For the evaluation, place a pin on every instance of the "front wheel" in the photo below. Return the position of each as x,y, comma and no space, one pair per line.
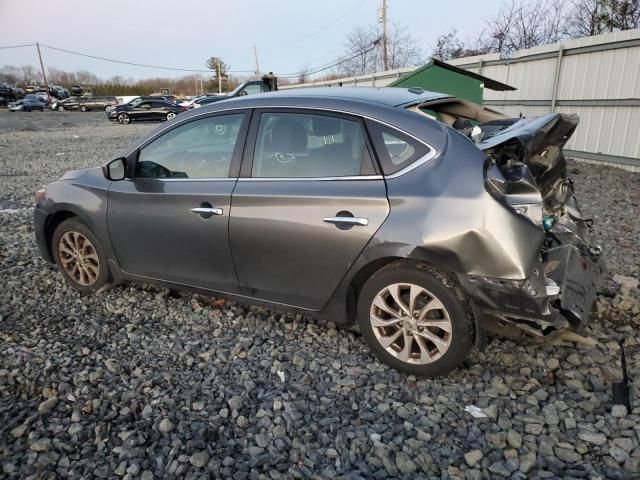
61,108
123,118
79,256
83,108
415,319
170,115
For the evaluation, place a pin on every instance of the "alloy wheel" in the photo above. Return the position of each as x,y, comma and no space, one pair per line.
79,258
411,323
170,115
123,118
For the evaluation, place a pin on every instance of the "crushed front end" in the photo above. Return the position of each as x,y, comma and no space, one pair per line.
526,171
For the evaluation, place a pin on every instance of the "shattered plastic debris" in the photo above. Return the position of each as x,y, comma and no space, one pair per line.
627,282
475,412
76,136
281,375
59,154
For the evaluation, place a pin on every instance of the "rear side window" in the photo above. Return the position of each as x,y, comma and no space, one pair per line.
299,145
396,150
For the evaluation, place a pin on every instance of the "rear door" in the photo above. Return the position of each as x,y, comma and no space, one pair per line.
169,220
158,110
308,201
141,111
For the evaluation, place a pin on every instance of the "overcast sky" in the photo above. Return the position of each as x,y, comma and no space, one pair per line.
289,34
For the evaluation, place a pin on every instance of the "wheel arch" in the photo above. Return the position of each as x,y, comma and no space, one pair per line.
52,223
422,260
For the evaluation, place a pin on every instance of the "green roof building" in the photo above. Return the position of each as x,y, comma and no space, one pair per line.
438,76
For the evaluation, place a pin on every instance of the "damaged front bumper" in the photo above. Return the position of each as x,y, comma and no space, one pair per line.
559,292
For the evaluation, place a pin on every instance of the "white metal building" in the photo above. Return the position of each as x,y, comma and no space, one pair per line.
596,77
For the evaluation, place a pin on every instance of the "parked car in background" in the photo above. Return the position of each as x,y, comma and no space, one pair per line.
26,105
207,100
381,206
71,103
97,103
141,109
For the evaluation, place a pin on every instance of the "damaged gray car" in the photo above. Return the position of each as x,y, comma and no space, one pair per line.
417,215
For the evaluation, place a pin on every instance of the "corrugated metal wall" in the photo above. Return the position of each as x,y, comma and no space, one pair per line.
596,77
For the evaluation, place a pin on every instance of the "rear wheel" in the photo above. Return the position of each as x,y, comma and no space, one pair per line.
123,118
170,115
415,320
79,256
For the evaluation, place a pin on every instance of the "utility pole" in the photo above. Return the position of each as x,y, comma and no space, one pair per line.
219,78
382,18
255,54
44,75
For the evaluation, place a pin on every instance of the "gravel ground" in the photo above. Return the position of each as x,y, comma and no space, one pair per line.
137,382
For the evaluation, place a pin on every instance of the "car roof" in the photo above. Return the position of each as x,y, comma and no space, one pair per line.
390,96
358,100
386,105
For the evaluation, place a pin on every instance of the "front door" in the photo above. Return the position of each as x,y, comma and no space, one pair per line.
170,220
308,203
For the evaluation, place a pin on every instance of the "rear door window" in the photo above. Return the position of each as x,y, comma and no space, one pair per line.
396,150
301,145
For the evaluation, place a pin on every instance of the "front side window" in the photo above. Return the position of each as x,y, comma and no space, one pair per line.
306,145
396,150
199,149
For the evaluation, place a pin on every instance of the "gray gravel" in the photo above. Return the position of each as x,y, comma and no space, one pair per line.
137,382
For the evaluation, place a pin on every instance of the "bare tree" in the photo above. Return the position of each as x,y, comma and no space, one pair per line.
449,46
28,75
359,51
593,17
363,48
403,49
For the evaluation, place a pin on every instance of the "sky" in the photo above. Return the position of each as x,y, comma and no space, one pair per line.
289,34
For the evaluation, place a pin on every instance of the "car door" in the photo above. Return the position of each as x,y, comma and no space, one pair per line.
141,111
308,201
158,110
169,219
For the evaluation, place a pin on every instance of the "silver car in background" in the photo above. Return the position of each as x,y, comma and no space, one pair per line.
417,215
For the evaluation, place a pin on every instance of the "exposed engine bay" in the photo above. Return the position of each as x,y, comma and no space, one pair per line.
525,169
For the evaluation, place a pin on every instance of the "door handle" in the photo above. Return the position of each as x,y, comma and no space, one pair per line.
207,211
363,222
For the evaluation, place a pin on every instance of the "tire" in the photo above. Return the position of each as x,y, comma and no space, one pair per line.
438,341
71,240
123,118
83,108
170,115
61,108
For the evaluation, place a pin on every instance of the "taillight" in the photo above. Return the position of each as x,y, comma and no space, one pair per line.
183,109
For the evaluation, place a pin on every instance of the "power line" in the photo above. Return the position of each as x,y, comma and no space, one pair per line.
18,46
313,34
335,63
124,62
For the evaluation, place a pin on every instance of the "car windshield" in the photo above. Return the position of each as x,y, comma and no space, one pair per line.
237,89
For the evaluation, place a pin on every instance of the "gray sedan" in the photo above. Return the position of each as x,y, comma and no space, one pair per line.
417,215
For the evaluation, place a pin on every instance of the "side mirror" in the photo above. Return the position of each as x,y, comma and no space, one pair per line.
115,170
242,93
